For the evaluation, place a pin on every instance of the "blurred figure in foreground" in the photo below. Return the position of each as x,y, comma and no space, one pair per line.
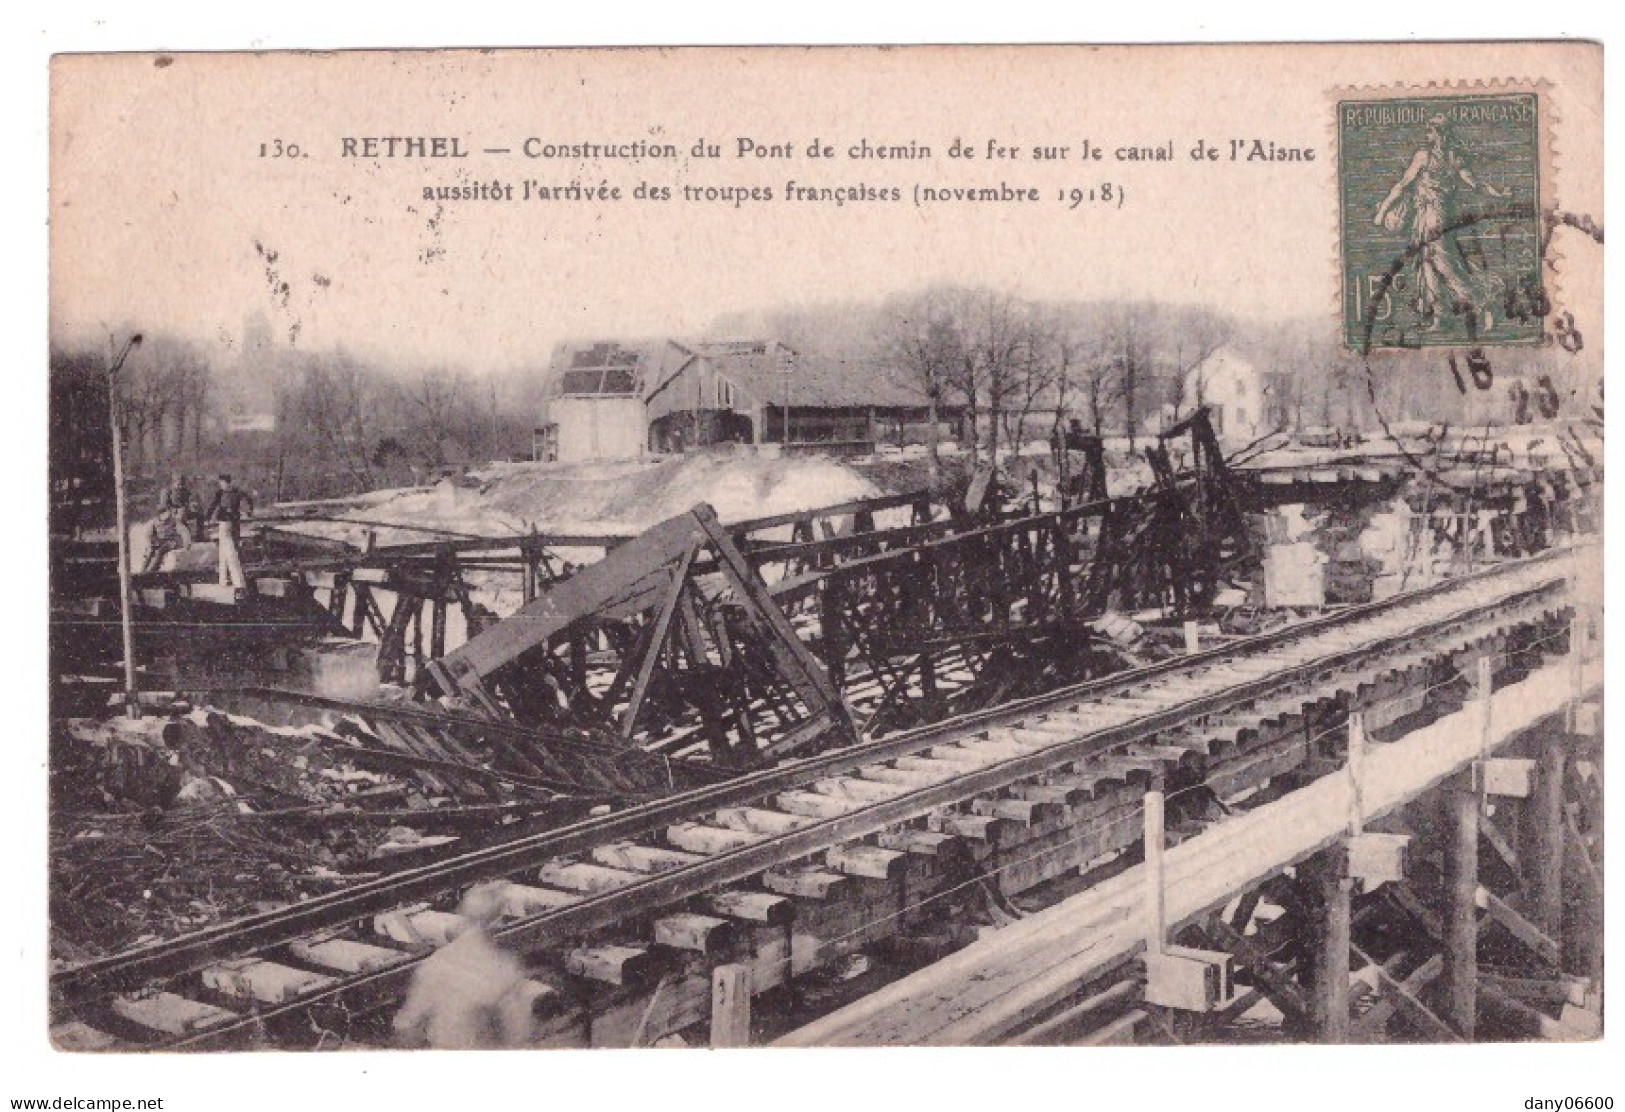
470,994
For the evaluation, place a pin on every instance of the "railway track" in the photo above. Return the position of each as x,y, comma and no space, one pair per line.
604,904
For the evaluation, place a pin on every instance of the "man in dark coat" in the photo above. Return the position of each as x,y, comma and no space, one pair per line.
229,507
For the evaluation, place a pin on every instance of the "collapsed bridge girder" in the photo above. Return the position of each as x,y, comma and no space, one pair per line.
671,632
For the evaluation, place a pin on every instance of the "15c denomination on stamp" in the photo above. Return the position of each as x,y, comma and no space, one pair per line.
1440,227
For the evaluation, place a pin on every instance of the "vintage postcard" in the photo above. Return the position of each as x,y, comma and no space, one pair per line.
1014,546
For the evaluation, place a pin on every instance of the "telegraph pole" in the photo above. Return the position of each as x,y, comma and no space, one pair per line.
132,706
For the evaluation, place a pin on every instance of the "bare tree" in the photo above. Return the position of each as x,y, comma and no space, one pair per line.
439,400
340,403
1038,371
1197,336
917,335
1132,359
1088,373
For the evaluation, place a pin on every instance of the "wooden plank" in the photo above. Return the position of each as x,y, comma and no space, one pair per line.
758,821
1275,984
1371,1027
1405,994
656,643
730,1006
521,901
1332,972
420,927
1461,919
634,574
1025,812
754,907
808,883
643,859
699,838
213,593
700,934
343,955
614,965
579,876
262,982
1544,881
926,843
815,805
1541,944
872,862
1558,990
971,995
1491,833
170,1013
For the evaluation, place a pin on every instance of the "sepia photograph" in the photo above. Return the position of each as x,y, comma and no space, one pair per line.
824,547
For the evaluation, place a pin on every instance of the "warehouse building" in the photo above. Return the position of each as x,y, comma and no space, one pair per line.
615,400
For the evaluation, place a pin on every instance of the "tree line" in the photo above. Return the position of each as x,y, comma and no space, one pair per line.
1020,367
298,423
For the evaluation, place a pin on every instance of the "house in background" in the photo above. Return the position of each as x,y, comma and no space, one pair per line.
613,400
1235,393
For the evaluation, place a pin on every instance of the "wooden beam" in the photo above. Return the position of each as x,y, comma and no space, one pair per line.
1544,879
1557,990
1498,842
1119,1032
1540,1025
1405,993
1068,1017
730,1006
1156,920
1332,973
1278,987
1537,940
1463,806
656,644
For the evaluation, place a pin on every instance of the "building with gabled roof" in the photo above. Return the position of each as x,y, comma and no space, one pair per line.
615,400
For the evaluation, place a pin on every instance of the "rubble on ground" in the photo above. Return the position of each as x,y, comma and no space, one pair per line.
161,826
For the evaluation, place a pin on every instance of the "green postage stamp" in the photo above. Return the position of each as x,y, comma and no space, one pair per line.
1440,220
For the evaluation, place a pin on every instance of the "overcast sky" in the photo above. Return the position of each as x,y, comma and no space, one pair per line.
164,215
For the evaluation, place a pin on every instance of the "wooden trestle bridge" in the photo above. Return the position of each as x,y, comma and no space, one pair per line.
870,730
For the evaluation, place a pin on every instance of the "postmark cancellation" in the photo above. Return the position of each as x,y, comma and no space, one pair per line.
1440,201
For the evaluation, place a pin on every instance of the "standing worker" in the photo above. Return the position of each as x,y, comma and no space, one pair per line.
229,507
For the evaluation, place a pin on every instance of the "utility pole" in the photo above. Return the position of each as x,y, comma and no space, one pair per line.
132,705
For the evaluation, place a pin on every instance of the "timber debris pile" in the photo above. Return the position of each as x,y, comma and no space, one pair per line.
161,826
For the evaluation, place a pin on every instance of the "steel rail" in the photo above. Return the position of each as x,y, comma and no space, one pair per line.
606,908
252,933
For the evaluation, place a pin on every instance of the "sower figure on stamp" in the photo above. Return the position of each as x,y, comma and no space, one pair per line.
1426,200
470,994
229,507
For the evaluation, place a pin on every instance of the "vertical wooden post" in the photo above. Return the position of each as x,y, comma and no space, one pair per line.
1485,693
730,1006
1545,869
1577,649
1461,920
1332,967
1356,768
1193,641
437,629
417,637
1155,897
